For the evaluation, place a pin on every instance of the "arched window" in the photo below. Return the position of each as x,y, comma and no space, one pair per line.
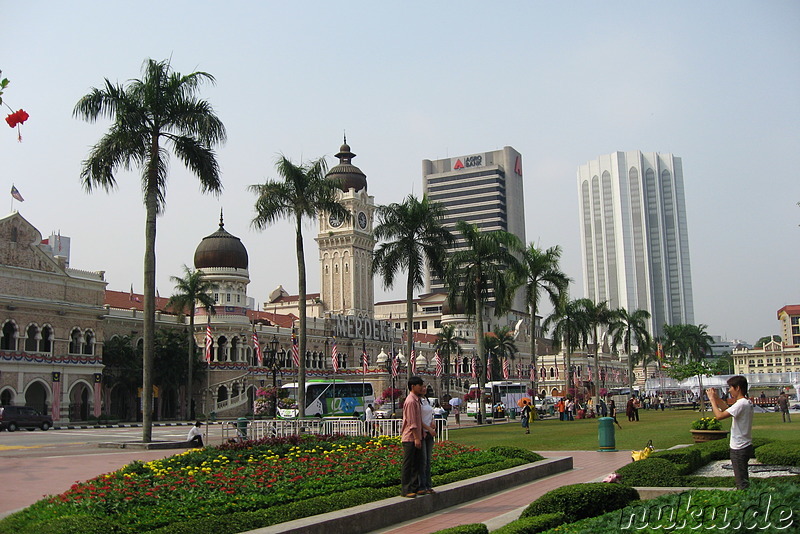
222,394
9,339
88,343
235,349
32,338
75,341
552,373
46,344
235,390
222,349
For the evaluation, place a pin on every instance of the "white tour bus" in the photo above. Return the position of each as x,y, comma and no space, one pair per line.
329,398
504,391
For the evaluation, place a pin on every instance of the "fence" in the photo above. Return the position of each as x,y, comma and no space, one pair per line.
276,428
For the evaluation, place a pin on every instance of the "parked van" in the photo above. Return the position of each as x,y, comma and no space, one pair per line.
16,417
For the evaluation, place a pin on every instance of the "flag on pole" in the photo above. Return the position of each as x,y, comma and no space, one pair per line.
16,195
257,348
134,298
364,357
489,369
209,341
519,371
458,368
395,365
474,367
439,367
295,348
505,369
335,357
532,374
413,362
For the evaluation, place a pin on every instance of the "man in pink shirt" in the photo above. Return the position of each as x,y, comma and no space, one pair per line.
411,438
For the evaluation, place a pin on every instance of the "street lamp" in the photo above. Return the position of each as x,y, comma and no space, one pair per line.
272,361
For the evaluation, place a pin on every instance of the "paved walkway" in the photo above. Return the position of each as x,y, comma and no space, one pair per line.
502,508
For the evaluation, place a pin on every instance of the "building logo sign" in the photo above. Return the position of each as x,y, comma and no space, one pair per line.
351,327
469,161
518,166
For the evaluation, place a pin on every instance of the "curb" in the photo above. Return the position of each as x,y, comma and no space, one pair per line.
385,513
124,425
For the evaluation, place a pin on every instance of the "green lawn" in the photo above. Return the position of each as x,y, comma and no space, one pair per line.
666,429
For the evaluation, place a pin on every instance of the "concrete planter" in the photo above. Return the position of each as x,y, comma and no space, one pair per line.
701,436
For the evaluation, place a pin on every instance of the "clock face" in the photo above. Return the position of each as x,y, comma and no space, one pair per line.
335,221
362,220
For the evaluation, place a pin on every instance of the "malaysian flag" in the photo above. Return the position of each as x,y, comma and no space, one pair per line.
295,348
519,371
505,368
474,367
364,357
209,342
489,369
335,357
413,362
439,367
532,374
15,193
257,347
395,366
458,368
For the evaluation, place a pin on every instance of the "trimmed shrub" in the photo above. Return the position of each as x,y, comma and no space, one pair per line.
473,528
75,524
516,452
650,472
686,460
779,453
532,525
578,501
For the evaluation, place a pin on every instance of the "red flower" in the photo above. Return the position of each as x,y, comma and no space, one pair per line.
18,117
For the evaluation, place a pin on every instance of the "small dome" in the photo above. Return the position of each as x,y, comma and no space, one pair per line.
457,309
348,175
221,249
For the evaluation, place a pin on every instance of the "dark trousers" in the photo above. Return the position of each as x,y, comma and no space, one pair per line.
412,468
739,461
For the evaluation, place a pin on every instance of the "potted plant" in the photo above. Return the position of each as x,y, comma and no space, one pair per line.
707,429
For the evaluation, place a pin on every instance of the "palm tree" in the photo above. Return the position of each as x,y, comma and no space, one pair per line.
628,329
414,239
190,291
542,273
483,263
597,315
570,330
160,110
304,192
500,343
448,342
687,342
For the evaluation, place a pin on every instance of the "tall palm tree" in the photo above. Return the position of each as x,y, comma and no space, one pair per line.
448,342
542,273
414,237
304,192
628,329
149,115
570,330
484,263
597,315
687,342
190,291
500,343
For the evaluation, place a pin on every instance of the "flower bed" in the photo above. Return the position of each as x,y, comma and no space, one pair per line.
215,482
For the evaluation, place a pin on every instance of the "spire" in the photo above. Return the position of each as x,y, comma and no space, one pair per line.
221,224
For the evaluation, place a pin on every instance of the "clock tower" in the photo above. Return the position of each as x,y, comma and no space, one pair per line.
346,246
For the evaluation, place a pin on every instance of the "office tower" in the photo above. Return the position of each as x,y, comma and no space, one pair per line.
484,189
634,238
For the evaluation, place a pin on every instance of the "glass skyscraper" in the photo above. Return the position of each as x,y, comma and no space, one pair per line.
634,238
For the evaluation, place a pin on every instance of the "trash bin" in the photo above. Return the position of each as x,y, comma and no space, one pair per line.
241,427
212,416
551,410
606,435
512,413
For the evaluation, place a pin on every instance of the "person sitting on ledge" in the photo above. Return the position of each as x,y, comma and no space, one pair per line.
196,435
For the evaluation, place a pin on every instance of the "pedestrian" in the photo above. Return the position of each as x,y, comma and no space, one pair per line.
783,404
741,441
429,432
411,438
661,402
629,409
456,413
438,411
636,405
195,435
525,416
568,409
369,420
612,411
560,408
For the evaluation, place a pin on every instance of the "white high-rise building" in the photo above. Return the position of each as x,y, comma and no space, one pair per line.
634,238
484,189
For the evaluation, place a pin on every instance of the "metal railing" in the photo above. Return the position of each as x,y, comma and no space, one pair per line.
275,428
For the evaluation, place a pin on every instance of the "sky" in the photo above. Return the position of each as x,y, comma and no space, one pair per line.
715,83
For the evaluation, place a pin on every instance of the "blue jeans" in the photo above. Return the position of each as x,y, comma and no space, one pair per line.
425,482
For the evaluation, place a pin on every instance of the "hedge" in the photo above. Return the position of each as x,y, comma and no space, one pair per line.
532,525
472,528
578,501
516,452
651,472
779,453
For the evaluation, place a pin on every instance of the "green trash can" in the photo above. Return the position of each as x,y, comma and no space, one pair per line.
512,413
606,435
551,410
241,427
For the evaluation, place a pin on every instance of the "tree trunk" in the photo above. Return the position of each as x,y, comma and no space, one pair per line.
409,323
192,352
482,357
301,312
596,369
533,351
149,317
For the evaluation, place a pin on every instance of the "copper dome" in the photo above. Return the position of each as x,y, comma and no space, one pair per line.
348,175
221,249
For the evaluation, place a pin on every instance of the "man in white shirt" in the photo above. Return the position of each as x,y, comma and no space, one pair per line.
741,443
196,434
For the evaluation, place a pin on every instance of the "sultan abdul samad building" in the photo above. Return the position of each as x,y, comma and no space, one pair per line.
58,321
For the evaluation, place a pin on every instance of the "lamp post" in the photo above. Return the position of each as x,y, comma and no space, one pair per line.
272,363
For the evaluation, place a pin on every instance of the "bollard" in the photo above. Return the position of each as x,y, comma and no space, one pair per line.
606,435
